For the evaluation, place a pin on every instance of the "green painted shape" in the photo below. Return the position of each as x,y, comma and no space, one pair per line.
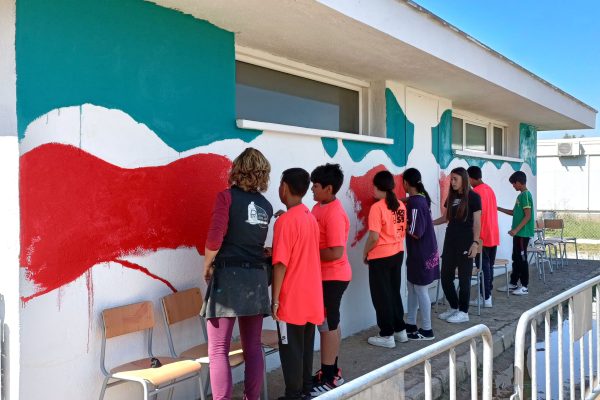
398,127
166,69
441,146
330,145
528,145
441,140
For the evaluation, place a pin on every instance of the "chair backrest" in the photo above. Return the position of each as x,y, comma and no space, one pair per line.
557,224
182,305
128,319
539,223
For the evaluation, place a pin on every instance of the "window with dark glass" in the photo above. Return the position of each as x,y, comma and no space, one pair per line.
267,95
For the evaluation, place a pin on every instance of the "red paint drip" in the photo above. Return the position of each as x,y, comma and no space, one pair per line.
444,188
362,188
144,270
78,210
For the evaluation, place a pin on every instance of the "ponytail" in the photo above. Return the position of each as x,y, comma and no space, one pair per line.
384,181
422,190
391,200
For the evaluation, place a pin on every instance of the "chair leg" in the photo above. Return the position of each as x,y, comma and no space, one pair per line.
201,386
265,389
506,275
103,390
170,393
145,389
576,252
479,292
437,294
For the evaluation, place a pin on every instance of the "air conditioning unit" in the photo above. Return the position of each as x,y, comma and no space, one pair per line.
568,149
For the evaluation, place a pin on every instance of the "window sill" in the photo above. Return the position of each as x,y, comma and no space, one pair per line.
296,130
486,156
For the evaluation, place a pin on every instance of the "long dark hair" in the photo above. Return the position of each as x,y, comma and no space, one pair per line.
412,176
463,195
384,181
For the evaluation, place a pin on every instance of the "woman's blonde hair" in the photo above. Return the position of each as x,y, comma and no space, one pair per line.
250,171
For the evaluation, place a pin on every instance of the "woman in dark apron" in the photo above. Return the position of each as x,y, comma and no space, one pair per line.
236,270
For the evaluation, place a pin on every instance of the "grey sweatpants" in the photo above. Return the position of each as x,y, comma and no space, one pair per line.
418,297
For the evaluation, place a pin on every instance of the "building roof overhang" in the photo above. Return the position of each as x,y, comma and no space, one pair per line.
396,40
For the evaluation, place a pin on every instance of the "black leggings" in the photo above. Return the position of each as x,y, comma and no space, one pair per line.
384,282
465,268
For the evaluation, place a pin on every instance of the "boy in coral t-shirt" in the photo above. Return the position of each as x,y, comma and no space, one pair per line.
297,291
334,227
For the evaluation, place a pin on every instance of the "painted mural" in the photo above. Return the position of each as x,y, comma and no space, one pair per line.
81,211
126,136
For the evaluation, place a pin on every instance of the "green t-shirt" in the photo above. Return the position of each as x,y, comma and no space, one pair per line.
524,200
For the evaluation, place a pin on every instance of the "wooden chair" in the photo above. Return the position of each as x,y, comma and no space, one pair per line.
186,305
559,226
139,318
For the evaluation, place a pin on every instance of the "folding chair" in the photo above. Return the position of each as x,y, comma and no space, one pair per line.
139,317
186,305
540,258
501,263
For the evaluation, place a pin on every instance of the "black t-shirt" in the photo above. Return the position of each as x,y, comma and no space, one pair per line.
459,234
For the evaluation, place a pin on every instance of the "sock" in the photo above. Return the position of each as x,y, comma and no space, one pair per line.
329,372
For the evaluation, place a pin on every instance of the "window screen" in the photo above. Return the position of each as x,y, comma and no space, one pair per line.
266,95
457,133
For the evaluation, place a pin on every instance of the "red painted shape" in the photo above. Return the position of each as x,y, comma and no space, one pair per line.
362,188
78,210
137,267
444,188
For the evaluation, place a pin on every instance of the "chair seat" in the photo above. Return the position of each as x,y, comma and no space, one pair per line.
536,249
500,262
270,338
554,240
200,354
171,369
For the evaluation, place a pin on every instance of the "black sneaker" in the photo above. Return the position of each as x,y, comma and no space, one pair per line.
316,379
410,328
421,334
325,387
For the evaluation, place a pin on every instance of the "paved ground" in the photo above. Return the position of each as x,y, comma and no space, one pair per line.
358,357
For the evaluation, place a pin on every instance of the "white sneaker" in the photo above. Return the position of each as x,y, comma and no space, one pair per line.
401,336
487,303
458,317
447,314
522,291
382,341
508,288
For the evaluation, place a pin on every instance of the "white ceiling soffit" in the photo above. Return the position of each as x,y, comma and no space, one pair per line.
395,40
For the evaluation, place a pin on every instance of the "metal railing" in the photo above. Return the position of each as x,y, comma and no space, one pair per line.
528,324
389,379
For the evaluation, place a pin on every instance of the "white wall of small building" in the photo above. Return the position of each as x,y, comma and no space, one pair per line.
570,183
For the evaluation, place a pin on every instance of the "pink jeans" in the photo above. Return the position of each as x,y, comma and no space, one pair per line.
219,340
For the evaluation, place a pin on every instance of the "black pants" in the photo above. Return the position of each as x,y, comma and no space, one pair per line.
465,268
296,357
488,259
384,282
520,269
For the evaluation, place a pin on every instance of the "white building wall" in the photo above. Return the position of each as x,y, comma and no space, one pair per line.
569,183
8,77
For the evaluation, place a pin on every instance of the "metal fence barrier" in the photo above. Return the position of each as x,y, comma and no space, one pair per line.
389,379
580,317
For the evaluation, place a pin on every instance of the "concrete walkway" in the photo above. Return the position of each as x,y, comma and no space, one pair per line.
358,357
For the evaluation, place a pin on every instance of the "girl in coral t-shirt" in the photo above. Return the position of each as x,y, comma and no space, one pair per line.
384,252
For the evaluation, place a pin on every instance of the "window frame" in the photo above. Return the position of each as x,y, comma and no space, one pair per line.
468,118
280,64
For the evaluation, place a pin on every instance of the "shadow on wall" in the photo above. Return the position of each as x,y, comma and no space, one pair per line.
4,358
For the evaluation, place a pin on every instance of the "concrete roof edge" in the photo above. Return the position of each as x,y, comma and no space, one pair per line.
493,52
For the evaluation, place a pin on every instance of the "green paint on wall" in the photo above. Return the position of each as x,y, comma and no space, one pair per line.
330,145
528,145
441,146
166,69
441,140
398,127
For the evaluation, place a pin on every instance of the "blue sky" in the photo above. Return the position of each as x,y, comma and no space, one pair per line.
557,40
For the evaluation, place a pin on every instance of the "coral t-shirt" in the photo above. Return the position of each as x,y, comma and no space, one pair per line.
391,226
490,234
296,245
334,228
